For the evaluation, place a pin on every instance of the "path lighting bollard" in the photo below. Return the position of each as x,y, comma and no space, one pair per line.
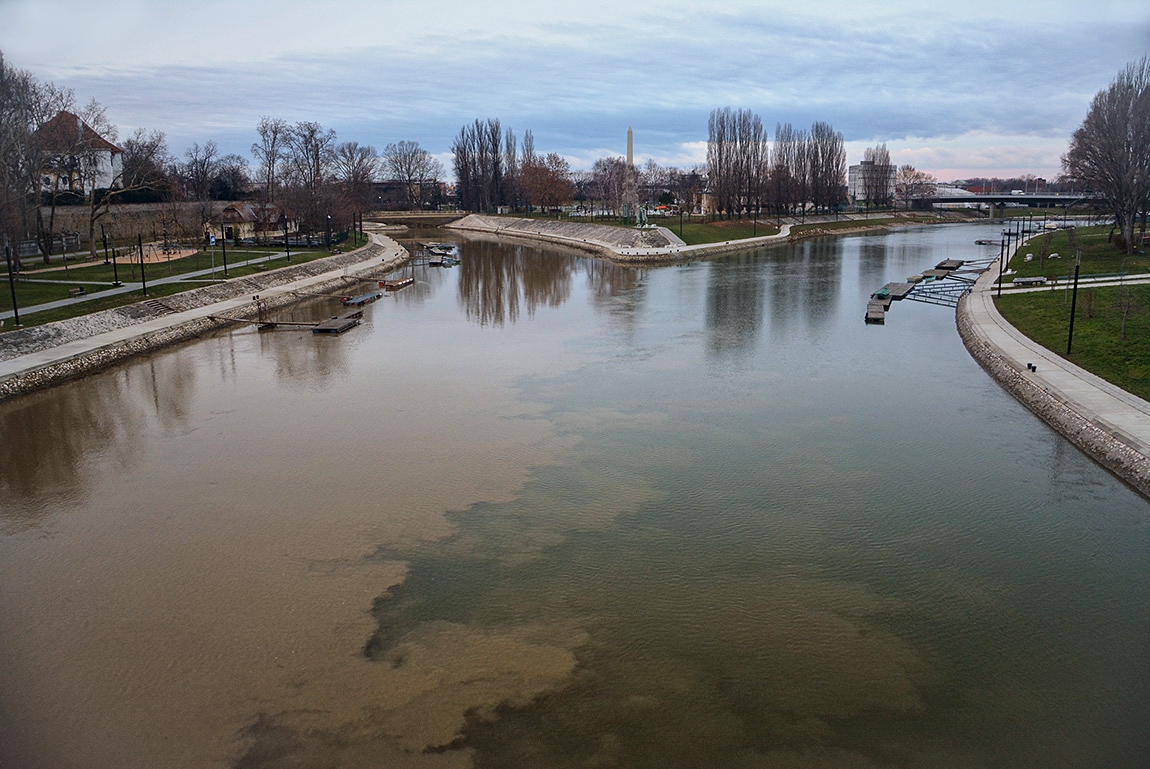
12,283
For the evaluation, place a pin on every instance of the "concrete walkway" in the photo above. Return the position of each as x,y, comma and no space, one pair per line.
1103,420
23,366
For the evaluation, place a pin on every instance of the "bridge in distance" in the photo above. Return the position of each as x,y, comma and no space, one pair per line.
997,202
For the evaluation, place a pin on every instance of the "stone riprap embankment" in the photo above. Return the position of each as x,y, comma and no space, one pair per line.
620,244
1108,424
41,356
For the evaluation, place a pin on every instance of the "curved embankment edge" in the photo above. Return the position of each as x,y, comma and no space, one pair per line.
613,243
100,357
1104,447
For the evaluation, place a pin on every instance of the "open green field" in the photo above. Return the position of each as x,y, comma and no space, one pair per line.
698,233
1099,255
1099,345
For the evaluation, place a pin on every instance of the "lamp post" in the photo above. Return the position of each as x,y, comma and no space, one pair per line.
143,279
115,270
1073,302
11,281
327,241
1001,262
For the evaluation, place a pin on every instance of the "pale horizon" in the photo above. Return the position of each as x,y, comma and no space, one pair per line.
980,90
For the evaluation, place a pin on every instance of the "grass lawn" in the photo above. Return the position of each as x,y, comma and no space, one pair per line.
1098,344
97,304
1099,256
698,233
29,294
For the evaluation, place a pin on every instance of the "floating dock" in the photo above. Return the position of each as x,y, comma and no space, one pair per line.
361,300
949,281
395,285
339,323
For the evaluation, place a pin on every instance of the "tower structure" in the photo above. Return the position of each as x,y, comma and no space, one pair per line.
630,183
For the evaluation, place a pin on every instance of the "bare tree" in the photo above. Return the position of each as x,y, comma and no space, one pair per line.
547,179
414,167
146,165
783,162
688,186
270,151
201,164
310,154
231,178
512,167
356,167
308,169
827,166
479,170
877,176
609,182
1110,151
911,185
738,158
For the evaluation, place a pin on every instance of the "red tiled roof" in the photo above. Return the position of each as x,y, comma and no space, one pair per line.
67,132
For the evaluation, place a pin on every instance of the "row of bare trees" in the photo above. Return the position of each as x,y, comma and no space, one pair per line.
493,169
747,175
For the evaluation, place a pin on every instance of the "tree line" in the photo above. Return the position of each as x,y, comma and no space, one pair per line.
748,175
744,173
300,167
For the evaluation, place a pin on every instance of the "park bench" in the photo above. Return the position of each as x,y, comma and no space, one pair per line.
78,291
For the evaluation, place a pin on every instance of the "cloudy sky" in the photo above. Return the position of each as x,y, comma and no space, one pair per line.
967,89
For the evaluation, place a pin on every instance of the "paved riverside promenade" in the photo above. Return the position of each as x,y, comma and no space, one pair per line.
1107,423
41,356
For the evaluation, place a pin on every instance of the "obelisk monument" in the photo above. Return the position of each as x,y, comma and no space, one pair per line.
631,182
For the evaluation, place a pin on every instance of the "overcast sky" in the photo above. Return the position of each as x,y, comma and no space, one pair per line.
973,89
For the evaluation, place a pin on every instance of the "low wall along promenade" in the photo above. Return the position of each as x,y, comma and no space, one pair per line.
42,356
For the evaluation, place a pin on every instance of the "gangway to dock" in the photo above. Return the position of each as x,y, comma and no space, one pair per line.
945,284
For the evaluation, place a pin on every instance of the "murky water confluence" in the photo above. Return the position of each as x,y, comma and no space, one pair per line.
543,511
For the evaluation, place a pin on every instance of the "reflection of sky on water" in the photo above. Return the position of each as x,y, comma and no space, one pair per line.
551,511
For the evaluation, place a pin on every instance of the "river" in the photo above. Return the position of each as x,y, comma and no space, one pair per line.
545,511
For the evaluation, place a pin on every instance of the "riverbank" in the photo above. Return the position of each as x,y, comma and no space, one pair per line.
628,245
42,356
659,245
1105,422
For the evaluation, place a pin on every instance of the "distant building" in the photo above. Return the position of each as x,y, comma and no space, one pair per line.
77,158
251,221
857,176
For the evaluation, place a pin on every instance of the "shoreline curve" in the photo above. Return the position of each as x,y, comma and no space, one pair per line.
1108,424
